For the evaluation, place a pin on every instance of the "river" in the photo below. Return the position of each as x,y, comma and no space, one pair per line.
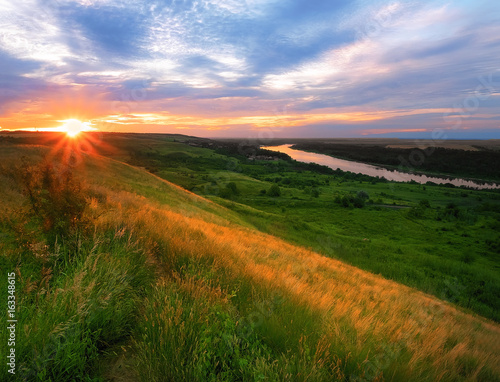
367,169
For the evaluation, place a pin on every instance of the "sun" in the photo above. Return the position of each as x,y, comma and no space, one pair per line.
75,140
73,127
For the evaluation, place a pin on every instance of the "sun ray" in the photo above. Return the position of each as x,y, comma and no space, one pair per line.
72,140
73,127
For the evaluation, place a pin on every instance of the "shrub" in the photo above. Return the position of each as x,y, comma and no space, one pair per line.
416,211
56,198
450,213
424,203
358,202
351,200
345,201
234,189
274,191
363,195
229,190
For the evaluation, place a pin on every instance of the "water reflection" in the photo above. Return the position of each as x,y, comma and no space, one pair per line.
358,167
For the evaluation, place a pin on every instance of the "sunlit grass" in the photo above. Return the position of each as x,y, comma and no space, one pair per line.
360,313
227,302
73,305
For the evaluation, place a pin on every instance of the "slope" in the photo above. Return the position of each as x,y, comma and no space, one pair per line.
202,297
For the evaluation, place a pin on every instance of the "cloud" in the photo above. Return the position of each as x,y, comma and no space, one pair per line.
15,87
245,59
112,30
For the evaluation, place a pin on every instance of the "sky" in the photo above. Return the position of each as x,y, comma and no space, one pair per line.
253,68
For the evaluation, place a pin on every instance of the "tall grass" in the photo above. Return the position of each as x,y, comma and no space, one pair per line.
361,318
192,334
81,304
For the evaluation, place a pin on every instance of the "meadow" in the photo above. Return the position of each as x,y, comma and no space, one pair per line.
440,239
197,264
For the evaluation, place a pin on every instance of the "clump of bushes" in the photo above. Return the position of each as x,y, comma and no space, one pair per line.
274,191
357,200
56,199
312,191
363,195
418,211
230,190
454,213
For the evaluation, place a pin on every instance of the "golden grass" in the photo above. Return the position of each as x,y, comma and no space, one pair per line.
376,309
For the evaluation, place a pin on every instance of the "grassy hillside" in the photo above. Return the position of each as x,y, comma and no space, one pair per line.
439,239
167,285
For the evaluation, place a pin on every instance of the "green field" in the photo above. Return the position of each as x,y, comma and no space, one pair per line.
441,240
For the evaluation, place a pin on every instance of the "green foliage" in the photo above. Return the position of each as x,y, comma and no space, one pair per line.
453,213
253,336
435,243
191,328
229,191
72,312
274,191
418,211
234,189
358,202
352,200
184,339
362,195
424,203
56,198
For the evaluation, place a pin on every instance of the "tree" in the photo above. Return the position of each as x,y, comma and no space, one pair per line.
274,191
229,190
358,202
363,195
234,189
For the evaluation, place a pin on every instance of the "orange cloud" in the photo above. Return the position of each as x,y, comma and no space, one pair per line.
88,106
259,121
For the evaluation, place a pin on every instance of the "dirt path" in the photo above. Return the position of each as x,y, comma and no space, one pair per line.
119,365
390,206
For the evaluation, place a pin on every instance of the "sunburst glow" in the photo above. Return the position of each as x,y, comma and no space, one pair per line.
70,144
73,127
